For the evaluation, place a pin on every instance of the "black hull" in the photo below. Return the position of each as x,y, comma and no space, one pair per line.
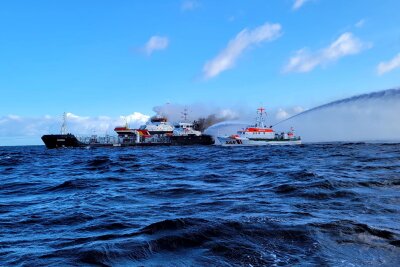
192,140
69,140
61,140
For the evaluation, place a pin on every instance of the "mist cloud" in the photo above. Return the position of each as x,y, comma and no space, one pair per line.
367,117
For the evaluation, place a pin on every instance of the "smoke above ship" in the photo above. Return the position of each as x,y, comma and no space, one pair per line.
202,115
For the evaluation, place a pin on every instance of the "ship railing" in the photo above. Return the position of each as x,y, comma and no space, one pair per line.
158,140
94,139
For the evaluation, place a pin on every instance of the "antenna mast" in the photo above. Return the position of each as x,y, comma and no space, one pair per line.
64,126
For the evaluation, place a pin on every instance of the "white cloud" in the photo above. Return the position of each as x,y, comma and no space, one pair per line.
72,116
14,117
305,61
102,124
282,114
360,23
135,117
387,66
189,5
226,58
156,43
298,3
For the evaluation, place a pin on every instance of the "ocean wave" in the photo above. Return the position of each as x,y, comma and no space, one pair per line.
315,205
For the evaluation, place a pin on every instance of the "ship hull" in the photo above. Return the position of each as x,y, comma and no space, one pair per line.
227,141
69,140
192,140
61,140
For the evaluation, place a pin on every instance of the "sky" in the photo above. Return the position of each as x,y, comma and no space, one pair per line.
105,61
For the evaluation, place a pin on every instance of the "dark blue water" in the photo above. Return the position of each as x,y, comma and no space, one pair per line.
311,205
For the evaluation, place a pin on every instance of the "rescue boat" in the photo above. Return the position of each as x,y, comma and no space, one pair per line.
260,135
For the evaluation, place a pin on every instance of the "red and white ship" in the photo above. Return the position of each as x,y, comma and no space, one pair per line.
260,135
158,131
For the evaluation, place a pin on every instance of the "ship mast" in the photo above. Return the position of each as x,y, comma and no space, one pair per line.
185,115
126,123
260,118
64,126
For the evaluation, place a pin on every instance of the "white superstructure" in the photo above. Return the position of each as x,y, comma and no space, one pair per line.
258,135
158,125
185,129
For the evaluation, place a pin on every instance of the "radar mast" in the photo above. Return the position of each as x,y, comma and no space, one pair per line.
185,114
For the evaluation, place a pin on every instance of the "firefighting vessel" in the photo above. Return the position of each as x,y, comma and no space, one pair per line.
157,132
260,135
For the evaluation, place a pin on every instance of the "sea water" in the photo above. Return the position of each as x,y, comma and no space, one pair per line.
331,204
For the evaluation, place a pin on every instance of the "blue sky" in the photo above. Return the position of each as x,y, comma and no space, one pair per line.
114,58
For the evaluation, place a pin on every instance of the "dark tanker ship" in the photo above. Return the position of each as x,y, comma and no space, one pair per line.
157,132
60,140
